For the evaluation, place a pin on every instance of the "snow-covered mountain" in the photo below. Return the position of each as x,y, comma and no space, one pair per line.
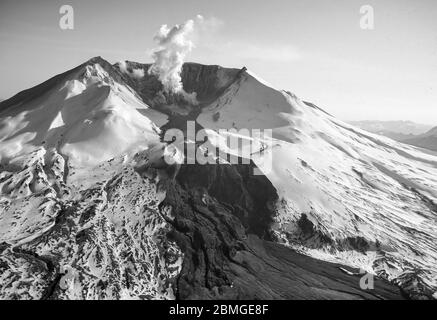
419,135
392,127
89,208
427,140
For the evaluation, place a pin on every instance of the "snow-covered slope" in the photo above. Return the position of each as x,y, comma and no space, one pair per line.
87,116
346,195
89,209
76,219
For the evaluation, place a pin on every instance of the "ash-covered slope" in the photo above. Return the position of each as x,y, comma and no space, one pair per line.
89,209
221,216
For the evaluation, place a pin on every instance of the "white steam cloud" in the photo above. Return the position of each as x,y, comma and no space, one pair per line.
174,44
168,58
135,73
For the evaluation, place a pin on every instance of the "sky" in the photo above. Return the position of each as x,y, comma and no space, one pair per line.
313,48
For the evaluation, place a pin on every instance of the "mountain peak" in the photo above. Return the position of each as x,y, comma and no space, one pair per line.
38,90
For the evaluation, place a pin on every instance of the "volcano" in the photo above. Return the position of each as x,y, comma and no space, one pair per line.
89,209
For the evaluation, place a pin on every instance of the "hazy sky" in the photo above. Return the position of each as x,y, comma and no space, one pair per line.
313,48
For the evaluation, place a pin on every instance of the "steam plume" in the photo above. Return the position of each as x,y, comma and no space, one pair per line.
135,73
173,46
